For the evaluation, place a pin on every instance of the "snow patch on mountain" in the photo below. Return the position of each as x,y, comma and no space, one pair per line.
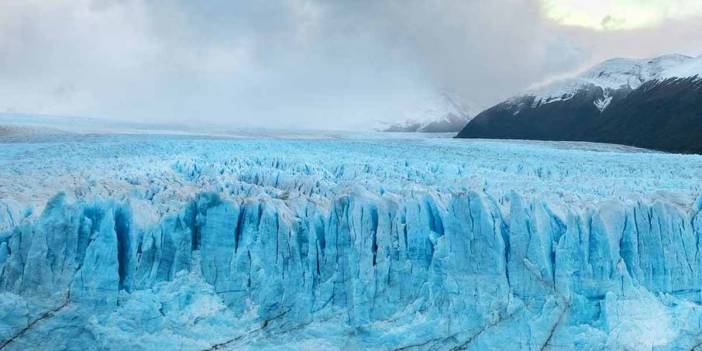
603,102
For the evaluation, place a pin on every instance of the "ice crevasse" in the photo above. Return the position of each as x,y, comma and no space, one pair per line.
355,269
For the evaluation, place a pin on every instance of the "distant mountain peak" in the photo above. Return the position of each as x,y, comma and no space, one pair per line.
442,114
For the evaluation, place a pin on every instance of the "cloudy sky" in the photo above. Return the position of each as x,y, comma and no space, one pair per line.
311,63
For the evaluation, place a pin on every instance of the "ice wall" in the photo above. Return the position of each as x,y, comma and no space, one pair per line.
437,271
184,243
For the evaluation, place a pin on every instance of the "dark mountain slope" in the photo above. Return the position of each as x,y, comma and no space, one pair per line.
517,119
659,115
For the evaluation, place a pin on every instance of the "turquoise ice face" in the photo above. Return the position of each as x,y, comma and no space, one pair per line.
352,242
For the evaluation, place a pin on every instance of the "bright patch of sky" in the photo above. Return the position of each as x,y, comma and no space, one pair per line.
620,14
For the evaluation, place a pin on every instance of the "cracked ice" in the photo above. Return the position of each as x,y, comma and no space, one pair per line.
147,242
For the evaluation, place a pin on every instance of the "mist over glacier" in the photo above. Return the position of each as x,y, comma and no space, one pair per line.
146,242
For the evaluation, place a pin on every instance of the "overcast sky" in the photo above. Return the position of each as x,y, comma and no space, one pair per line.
311,63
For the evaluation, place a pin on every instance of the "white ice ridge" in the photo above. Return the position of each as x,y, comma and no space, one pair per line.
148,242
620,73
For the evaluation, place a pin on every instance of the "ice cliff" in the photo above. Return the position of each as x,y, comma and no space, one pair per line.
393,248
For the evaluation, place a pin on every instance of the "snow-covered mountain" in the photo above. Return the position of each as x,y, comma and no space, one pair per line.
446,124
444,114
614,74
652,103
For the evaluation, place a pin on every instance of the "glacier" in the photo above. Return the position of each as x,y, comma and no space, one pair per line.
345,242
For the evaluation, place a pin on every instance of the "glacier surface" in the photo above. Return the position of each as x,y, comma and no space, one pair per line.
147,242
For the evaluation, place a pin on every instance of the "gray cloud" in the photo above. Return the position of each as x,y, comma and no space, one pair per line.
482,50
298,63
